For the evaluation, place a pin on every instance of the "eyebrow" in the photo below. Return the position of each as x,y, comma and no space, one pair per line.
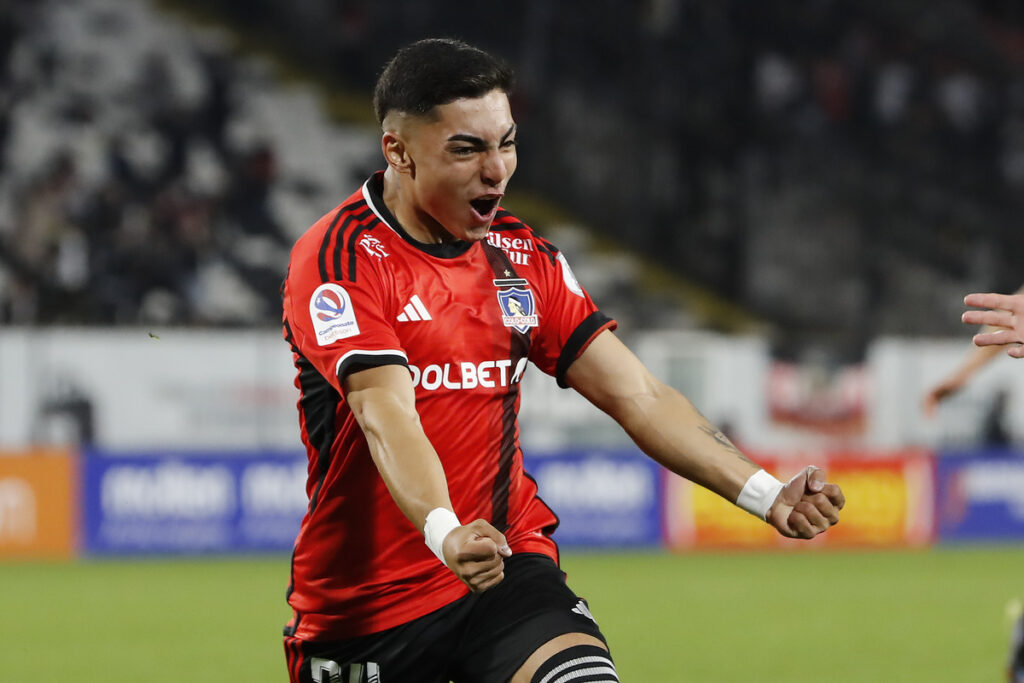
474,140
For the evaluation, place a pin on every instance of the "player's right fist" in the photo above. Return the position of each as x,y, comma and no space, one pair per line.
807,506
476,552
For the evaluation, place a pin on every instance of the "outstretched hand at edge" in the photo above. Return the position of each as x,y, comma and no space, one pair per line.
1006,312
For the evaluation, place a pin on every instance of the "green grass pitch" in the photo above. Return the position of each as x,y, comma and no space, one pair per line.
803,616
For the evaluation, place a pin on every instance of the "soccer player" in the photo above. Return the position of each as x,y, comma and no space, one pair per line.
1015,663
1003,327
412,310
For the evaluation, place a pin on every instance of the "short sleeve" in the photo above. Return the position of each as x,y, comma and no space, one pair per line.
569,319
341,325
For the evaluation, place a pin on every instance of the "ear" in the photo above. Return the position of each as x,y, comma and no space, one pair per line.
396,153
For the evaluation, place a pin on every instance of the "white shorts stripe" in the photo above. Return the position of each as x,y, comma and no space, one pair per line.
550,677
586,673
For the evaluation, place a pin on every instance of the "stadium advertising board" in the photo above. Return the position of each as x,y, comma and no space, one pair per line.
602,498
189,389
38,504
889,504
191,502
980,496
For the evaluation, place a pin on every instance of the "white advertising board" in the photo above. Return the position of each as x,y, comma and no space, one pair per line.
230,389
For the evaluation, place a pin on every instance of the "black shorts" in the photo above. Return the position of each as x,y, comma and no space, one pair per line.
480,638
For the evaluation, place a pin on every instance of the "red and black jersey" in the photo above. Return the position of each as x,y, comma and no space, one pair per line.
464,318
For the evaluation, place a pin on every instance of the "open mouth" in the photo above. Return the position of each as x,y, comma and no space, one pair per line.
484,205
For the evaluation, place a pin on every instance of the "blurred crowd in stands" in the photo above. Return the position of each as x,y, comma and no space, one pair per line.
841,168
132,189
131,238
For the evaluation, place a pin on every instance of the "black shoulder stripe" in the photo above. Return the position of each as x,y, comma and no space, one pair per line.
548,249
325,245
551,249
352,251
503,220
355,215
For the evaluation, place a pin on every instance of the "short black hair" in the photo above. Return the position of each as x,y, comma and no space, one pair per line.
436,71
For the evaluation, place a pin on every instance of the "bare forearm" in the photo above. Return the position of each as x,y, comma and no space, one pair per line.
978,356
669,429
406,461
662,422
383,401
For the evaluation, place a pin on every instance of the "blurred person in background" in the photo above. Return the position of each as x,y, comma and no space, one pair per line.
412,310
1003,327
1015,663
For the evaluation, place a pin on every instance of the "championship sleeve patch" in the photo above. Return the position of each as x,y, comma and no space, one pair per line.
567,275
333,316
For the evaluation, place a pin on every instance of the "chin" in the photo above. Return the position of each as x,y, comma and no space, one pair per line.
474,231
476,234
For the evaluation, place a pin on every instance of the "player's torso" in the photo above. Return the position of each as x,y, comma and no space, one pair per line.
456,319
465,324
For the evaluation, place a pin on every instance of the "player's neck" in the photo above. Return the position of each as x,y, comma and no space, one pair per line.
402,207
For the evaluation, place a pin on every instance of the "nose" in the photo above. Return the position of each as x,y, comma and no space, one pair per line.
494,170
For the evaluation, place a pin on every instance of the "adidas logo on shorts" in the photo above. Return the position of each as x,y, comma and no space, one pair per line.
582,609
326,671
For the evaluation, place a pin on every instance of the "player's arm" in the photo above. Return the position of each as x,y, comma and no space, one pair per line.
669,429
383,401
975,359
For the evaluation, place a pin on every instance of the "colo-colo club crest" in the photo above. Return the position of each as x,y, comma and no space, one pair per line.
518,308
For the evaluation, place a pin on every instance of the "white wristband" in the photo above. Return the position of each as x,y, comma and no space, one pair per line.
759,493
440,523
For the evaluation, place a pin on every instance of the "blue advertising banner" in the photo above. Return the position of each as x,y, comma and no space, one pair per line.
602,498
194,503
191,502
980,496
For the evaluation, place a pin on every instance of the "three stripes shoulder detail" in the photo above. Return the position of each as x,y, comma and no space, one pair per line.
348,223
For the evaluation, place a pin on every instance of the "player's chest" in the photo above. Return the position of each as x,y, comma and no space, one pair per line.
470,311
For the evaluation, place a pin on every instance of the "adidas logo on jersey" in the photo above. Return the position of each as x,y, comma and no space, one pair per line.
414,310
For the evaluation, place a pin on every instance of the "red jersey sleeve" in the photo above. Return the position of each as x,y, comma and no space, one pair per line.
569,319
344,321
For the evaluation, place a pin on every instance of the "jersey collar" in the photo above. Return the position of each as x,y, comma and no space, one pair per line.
373,192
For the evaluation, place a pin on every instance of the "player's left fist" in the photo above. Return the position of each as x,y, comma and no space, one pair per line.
476,554
807,505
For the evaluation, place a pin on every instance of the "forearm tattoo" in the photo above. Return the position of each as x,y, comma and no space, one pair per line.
723,441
